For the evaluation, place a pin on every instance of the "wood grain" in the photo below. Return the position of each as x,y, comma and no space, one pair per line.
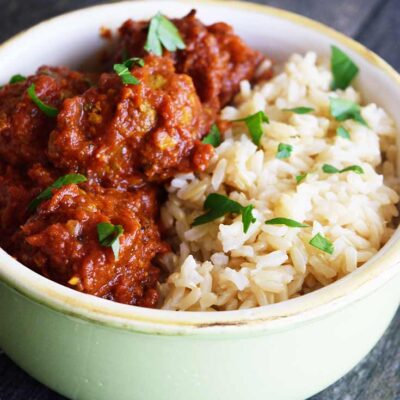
376,23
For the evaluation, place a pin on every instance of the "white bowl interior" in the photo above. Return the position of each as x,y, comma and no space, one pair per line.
74,37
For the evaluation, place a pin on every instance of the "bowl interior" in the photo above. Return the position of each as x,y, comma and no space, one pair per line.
73,38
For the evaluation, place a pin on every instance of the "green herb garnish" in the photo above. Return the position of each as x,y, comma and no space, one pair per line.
321,243
17,78
299,110
343,109
254,125
48,110
343,69
57,184
123,70
330,169
213,137
291,223
217,205
162,32
284,150
343,132
108,235
300,178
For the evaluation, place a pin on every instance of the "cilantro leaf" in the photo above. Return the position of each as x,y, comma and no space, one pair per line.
247,217
213,137
343,132
57,184
299,110
48,110
163,33
330,169
300,178
108,236
123,70
343,109
343,69
355,168
291,223
217,205
284,151
321,243
254,125
17,78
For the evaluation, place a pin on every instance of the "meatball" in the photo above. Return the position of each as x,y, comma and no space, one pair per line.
215,58
24,128
120,135
61,242
15,194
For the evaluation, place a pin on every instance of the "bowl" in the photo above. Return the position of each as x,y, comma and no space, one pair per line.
93,349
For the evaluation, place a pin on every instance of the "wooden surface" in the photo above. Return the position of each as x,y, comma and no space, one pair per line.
376,23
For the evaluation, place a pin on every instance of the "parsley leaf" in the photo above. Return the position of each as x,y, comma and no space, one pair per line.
299,110
343,132
17,78
108,235
217,205
57,184
291,223
213,137
321,243
330,169
284,150
343,69
247,217
254,125
163,33
48,110
123,70
300,178
343,109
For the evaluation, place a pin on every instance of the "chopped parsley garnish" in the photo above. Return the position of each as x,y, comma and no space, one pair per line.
343,69
213,137
291,223
299,110
343,132
17,78
284,150
48,110
300,178
321,243
163,33
343,109
123,70
217,205
254,125
57,184
330,169
108,235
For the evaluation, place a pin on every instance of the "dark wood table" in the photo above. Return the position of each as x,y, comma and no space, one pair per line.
376,23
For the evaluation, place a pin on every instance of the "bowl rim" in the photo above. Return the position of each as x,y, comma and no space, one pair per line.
271,318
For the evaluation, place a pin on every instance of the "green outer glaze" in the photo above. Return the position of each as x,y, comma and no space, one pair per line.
91,349
83,360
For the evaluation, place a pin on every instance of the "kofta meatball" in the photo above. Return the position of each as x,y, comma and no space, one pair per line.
119,135
215,57
15,194
60,241
24,128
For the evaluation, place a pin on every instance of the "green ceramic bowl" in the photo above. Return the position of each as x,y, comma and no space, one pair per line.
92,349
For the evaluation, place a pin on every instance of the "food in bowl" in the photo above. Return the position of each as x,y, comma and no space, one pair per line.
134,185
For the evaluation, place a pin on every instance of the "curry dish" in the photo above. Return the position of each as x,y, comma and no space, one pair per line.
84,157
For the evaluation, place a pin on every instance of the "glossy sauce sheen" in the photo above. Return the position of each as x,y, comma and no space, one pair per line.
128,140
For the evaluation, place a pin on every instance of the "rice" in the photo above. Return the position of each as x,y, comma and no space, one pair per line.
217,266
